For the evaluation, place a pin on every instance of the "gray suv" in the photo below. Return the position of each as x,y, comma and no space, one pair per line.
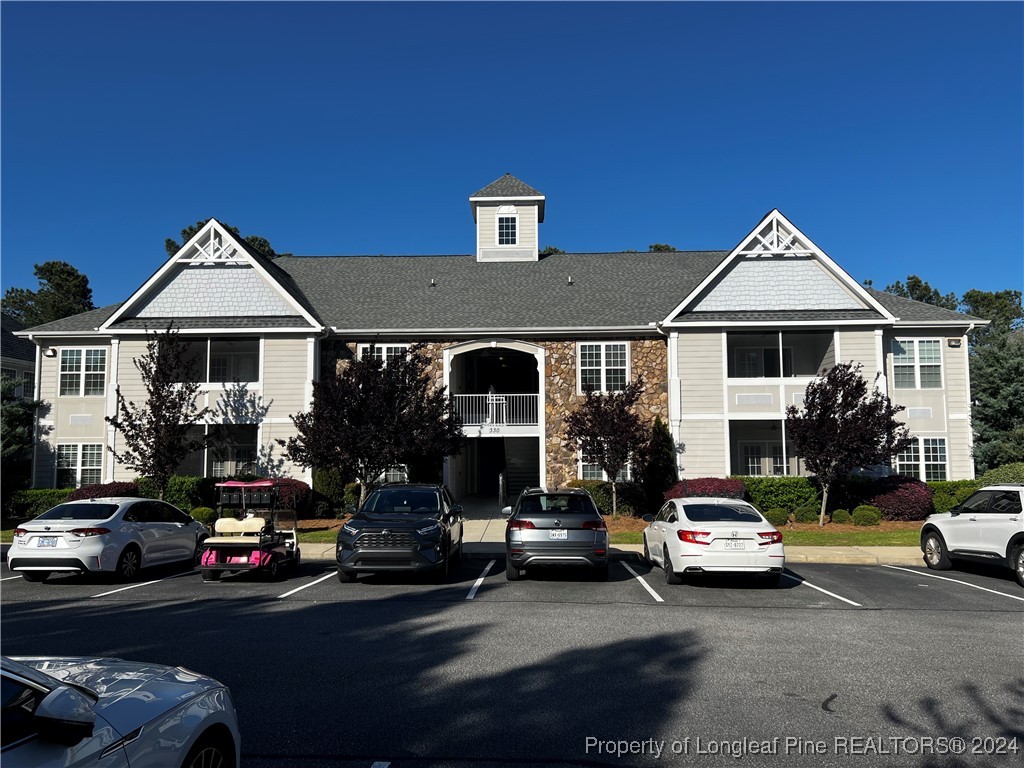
556,527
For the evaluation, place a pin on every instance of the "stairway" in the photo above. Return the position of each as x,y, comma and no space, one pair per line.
522,465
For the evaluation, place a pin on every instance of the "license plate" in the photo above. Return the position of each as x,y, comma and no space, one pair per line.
559,534
735,544
46,541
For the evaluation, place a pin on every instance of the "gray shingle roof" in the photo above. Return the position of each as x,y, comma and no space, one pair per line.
10,345
86,321
394,292
508,186
909,310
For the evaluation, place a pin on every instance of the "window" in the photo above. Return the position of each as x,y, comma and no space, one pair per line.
233,450
79,464
917,364
591,471
83,372
234,360
385,352
19,702
508,225
752,460
28,384
933,449
603,366
762,363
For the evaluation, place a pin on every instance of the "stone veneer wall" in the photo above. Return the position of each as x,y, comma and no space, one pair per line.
648,357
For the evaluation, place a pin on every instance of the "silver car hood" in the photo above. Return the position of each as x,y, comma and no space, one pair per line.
130,693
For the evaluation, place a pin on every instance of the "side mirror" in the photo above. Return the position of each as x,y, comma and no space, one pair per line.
506,512
954,511
648,518
351,509
456,509
64,716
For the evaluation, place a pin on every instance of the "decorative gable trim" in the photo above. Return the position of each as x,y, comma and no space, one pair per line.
213,245
775,237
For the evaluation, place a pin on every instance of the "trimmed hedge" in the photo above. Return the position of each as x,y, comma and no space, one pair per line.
29,504
866,515
807,514
101,490
902,498
328,492
630,496
727,488
1008,473
204,515
842,517
777,517
183,491
946,494
780,492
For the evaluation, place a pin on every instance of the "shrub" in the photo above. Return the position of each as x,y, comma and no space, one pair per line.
100,490
293,494
807,514
329,488
842,517
778,492
204,515
183,491
28,504
728,488
865,515
630,496
777,517
352,491
948,493
1008,473
902,498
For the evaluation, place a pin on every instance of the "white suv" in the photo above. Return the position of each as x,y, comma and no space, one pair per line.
988,527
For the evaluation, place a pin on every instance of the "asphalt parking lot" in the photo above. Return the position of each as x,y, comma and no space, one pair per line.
552,670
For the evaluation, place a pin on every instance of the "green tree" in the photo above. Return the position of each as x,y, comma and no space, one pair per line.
657,467
155,434
374,416
606,430
63,291
17,426
918,290
997,389
260,244
547,250
845,423
1002,309
661,248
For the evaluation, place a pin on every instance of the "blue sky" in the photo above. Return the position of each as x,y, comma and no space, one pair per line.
890,133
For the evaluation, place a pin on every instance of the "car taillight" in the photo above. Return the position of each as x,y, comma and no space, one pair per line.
770,537
83,532
515,525
20,531
594,525
693,537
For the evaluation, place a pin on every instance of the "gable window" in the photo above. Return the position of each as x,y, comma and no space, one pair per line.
508,225
79,464
917,364
385,352
83,371
933,467
603,366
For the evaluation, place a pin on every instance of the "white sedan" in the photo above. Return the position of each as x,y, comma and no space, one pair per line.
109,713
114,535
712,535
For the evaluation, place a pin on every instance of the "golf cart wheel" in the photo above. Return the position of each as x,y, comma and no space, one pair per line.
209,575
272,570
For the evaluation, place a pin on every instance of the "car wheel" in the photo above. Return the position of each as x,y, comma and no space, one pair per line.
345,577
197,555
441,572
129,563
511,572
210,752
935,556
34,575
671,577
1017,562
647,552
209,575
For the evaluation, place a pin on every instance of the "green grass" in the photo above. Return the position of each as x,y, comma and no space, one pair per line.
318,537
869,537
7,536
632,537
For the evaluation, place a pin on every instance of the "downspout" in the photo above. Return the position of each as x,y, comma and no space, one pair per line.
674,390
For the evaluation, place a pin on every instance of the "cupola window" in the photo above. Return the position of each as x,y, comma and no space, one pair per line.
508,225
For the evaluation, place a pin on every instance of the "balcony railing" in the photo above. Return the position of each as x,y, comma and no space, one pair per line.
499,410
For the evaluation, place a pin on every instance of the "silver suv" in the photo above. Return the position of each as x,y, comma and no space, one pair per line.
556,527
988,527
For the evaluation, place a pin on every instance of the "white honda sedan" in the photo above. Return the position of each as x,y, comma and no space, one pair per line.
712,535
119,535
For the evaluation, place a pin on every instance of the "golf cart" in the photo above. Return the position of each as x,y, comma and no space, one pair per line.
246,533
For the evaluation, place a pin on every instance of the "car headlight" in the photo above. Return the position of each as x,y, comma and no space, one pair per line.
429,530
348,529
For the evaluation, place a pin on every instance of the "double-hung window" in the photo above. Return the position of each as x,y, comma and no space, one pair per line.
590,470
933,452
83,372
508,225
385,352
603,366
917,364
79,464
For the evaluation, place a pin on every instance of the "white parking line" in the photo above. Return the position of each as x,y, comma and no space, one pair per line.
143,584
306,586
955,581
478,582
823,591
380,764
646,586
8,578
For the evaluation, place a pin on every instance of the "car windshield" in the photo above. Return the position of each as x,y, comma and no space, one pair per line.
402,501
720,513
75,511
556,504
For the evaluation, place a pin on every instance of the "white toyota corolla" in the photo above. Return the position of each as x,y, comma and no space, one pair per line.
713,535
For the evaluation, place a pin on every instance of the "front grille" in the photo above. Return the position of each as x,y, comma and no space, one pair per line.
384,560
380,541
